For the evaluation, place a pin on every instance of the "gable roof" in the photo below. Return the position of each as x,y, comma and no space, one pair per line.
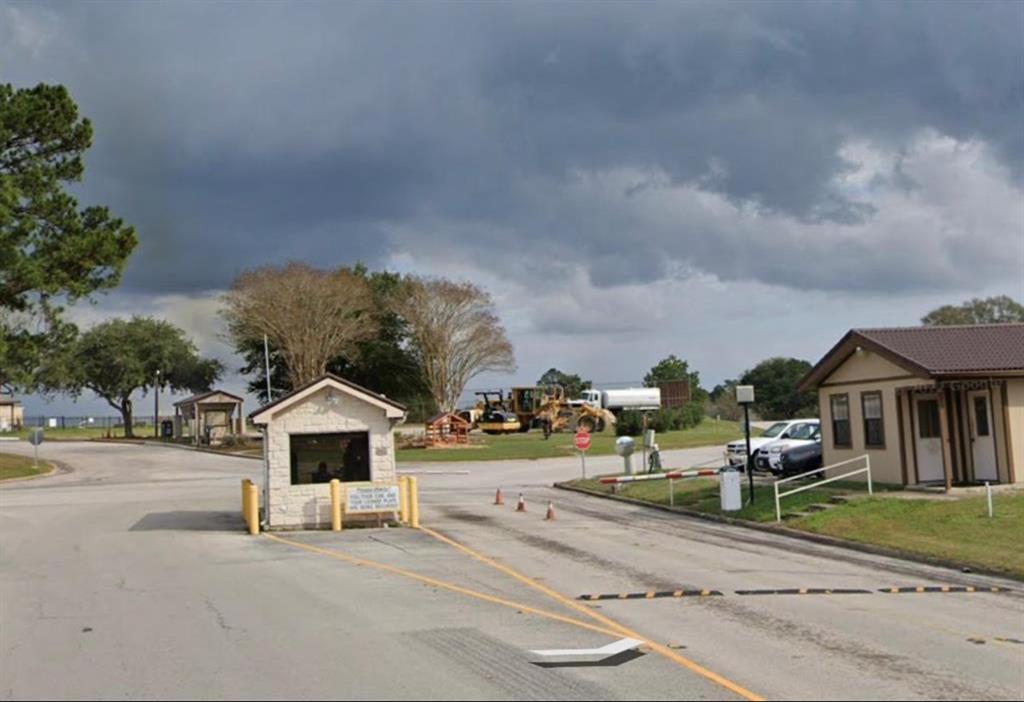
203,395
392,408
932,352
447,415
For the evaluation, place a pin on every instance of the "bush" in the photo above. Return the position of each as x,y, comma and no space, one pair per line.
629,423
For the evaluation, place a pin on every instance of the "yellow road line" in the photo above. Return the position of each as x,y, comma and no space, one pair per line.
660,649
442,584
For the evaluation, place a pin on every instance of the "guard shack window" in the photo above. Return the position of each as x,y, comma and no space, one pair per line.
320,458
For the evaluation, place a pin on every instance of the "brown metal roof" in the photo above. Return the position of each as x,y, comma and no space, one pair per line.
977,349
980,348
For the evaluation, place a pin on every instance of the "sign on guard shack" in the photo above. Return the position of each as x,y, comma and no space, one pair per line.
328,429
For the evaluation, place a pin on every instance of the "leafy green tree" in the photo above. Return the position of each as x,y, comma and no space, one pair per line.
572,383
722,402
775,381
674,368
990,310
117,358
51,252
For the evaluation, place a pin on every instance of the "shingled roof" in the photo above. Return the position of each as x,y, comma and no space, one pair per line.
935,352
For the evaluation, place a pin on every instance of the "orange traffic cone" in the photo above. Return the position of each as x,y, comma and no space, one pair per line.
550,516
499,499
521,505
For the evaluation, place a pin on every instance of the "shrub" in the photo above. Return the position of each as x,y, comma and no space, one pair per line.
629,423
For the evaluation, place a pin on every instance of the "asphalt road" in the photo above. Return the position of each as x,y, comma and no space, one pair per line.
130,577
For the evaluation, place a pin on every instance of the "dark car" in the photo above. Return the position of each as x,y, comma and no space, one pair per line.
800,459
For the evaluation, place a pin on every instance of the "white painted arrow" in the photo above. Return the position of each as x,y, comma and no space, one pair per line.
612,649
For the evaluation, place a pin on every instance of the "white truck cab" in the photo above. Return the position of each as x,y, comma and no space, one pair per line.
736,451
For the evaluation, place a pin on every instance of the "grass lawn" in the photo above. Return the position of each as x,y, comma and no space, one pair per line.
76,433
955,529
701,494
533,444
12,466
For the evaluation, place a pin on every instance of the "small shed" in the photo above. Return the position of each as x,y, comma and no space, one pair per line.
11,413
446,428
209,417
328,429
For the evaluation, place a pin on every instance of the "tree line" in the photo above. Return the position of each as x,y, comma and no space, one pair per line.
419,340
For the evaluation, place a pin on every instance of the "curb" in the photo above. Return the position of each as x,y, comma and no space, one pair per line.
805,535
200,450
56,468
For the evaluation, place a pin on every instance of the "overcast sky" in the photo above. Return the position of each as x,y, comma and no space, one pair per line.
722,181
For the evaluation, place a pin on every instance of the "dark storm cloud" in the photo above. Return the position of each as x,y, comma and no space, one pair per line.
240,134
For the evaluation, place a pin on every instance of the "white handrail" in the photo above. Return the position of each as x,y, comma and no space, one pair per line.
780,495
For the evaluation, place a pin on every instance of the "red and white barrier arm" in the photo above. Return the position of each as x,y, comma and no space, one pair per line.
674,475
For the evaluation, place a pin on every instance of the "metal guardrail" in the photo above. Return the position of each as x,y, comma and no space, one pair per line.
779,495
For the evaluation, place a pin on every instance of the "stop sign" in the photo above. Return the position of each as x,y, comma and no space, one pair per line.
582,440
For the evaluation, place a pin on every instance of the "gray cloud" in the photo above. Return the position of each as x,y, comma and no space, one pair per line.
630,142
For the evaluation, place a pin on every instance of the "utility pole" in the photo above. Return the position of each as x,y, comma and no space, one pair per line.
266,361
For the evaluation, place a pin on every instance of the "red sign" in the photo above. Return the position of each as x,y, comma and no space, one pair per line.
582,440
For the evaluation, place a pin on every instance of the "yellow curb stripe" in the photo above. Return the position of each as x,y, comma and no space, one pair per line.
441,584
663,651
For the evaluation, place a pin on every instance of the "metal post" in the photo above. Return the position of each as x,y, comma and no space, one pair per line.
778,510
671,492
583,462
254,509
750,468
35,459
867,460
988,492
156,406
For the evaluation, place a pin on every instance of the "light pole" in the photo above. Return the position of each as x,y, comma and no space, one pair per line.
156,405
745,397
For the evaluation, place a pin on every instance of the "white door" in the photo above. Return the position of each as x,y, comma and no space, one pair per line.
928,441
983,443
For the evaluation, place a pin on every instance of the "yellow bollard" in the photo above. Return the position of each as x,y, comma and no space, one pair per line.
245,500
414,503
335,505
403,499
253,516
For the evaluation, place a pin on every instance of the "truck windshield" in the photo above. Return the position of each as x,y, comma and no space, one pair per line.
774,430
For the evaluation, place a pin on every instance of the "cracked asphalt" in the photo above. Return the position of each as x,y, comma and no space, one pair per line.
129,576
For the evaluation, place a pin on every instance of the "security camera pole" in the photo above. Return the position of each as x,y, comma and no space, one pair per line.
745,396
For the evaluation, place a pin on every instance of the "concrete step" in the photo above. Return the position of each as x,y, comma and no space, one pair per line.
839,500
794,515
818,508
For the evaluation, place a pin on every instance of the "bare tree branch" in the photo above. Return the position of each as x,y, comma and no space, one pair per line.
312,316
456,333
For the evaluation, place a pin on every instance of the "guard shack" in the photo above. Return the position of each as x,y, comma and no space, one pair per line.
209,417
328,429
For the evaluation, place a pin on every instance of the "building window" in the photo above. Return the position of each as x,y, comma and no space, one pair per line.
840,405
981,416
874,424
320,458
928,419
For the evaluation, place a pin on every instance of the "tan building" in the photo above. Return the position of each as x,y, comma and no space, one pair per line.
11,413
328,429
209,417
929,405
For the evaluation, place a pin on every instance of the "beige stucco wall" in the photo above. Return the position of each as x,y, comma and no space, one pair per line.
309,506
1015,415
853,377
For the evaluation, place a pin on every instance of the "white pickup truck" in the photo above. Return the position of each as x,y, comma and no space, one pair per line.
736,451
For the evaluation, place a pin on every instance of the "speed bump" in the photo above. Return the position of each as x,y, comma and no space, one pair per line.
940,588
807,591
651,595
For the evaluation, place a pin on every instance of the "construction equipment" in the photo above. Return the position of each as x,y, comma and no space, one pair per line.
548,408
494,417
